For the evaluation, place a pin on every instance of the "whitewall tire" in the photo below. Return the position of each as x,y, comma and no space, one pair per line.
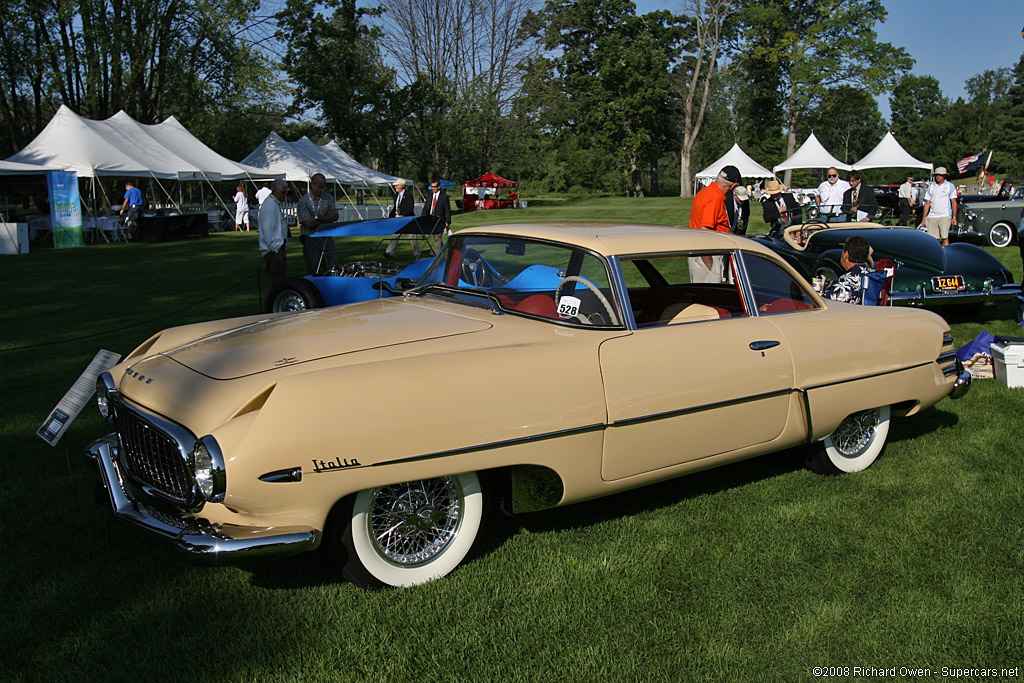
855,444
409,533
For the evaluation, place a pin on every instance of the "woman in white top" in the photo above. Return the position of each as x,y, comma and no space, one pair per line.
241,209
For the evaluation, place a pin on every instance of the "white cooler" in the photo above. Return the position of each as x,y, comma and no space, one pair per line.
13,238
1008,363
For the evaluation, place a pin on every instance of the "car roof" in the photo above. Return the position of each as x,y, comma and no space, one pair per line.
615,238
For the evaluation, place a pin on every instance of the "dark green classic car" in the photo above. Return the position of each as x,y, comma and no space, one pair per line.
926,273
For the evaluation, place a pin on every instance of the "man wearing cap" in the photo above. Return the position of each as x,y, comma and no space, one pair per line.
939,207
708,212
829,196
907,200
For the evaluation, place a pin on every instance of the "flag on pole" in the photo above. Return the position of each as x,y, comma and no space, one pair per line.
971,163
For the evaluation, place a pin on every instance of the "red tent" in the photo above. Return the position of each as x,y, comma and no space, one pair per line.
471,201
492,179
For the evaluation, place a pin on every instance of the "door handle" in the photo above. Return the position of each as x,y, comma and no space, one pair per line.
762,345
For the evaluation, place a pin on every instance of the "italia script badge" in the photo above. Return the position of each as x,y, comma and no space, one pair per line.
336,464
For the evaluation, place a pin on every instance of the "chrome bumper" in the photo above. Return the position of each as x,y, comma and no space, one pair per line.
201,541
920,298
962,383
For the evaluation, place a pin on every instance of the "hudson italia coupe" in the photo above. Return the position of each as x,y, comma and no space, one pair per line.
926,273
542,365
360,280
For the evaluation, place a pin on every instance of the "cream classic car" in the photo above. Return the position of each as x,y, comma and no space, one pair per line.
530,366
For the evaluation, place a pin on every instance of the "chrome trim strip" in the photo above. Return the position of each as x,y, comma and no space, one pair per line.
701,408
871,376
946,357
485,447
199,540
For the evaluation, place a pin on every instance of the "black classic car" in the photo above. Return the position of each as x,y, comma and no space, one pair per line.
926,274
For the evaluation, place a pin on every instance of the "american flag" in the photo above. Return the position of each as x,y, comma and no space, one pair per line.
970,163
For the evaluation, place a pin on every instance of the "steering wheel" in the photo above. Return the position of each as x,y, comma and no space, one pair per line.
593,288
473,269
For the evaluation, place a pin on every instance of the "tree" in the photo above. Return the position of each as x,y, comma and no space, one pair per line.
1008,131
919,110
815,45
337,70
847,122
150,58
709,21
603,78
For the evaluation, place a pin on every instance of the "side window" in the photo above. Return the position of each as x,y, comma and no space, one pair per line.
775,290
664,290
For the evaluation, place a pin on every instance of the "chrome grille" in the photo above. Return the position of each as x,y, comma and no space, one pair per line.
152,458
947,358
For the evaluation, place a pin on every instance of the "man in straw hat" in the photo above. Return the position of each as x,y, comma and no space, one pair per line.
779,207
939,207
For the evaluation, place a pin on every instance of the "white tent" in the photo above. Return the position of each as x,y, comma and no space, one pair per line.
12,168
890,154
370,175
811,155
330,165
279,156
121,146
73,143
738,158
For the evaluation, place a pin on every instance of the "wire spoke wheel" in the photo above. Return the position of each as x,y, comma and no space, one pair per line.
289,300
855,444
412,532
412,523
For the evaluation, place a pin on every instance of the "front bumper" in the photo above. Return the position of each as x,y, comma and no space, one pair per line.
201,541
962,383
922,298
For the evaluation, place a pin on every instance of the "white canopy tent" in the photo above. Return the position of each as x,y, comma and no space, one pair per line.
12,168
279,156
734,157
811,154
890,154
371,176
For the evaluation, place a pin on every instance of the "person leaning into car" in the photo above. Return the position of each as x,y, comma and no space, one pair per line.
778,207
856,259
939,207
708,212
273,233
859,201
315,209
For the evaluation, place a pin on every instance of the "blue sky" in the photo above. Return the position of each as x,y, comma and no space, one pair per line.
949,39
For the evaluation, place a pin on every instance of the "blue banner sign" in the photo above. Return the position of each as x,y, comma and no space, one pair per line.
65,209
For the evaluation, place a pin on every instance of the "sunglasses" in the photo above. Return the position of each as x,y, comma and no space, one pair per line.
832,175
434,187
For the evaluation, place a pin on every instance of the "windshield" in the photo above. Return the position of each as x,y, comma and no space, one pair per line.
531,277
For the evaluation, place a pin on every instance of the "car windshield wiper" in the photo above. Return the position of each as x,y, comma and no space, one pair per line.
473,297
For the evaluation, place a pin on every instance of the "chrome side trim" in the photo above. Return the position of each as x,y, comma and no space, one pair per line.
487,446
700,408
198,539
873,375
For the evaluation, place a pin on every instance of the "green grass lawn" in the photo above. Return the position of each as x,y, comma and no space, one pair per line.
756,571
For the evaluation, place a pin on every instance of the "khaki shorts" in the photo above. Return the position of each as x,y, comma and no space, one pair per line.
939,227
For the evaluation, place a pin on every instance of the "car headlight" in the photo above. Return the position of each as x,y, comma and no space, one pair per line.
104,388
208,466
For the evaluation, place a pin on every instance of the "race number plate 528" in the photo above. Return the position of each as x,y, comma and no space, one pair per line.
948,283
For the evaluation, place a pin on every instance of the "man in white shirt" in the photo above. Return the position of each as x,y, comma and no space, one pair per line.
940,204
906,196
273,233
829,196
262,193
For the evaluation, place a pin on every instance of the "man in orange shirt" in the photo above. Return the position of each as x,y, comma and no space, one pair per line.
708,212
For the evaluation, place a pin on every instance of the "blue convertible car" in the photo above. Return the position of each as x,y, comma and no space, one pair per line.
361,280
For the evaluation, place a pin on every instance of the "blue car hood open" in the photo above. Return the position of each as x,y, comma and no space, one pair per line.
381,227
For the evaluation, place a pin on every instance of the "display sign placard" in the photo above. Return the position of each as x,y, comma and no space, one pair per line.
74,400
65,209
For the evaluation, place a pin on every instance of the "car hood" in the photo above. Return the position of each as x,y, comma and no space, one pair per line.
912,247
315,335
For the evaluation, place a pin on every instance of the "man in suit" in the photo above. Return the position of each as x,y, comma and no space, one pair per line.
402,207
859,201
780,208
437,204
